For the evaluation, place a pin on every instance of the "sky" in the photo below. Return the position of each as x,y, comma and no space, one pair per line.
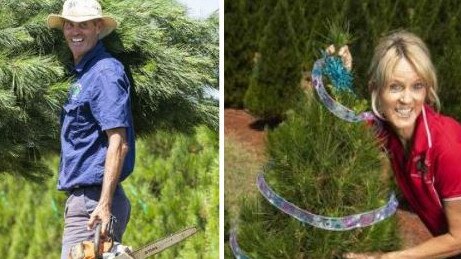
200,8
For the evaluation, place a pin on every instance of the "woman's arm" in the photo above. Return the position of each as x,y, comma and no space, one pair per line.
442,246
437,247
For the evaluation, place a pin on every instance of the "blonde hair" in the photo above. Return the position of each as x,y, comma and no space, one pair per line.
388,52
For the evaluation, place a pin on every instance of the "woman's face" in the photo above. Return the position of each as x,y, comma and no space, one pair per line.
402,99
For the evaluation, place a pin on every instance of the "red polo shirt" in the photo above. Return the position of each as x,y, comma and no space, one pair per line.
432,172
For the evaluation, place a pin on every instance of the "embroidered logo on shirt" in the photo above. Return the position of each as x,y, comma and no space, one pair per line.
74,91
421,166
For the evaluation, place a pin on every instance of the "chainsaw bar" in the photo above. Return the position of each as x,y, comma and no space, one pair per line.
160,245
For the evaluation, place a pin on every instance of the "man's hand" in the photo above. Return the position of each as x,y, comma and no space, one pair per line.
101,214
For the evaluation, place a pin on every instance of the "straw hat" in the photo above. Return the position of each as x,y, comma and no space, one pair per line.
81,11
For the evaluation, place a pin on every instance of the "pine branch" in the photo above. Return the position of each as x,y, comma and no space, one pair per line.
55,95
27,76
14,38
7,99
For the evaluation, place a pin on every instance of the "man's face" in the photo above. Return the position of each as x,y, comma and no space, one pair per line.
81,37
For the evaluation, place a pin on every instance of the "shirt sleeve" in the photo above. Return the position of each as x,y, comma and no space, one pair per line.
448,174
110,100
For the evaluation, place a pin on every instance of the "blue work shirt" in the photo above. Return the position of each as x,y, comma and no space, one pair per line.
98,100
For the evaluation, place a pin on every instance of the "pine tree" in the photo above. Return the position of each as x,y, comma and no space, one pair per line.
245,23
170,59
326,166
237,52
274,84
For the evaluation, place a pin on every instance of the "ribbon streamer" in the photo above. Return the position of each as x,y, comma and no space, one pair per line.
238,253
329,223
333,106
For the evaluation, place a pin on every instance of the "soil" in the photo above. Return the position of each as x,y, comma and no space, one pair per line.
241,126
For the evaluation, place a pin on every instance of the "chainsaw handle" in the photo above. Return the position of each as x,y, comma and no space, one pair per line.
97,240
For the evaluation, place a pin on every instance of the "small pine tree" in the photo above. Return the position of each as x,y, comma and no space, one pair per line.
246,20
328,167
274,85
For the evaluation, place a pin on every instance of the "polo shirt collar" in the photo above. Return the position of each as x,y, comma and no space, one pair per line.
422,138
88,56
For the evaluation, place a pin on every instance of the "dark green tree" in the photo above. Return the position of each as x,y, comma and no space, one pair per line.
171,59
274,84
327,166
240,47
237,54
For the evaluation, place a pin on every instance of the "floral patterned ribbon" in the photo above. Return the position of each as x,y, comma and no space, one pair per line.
329,223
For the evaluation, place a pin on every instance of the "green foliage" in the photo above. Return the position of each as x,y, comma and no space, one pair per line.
31,221
174,185
338,34
169,57
274,85
176,190
326,166
238,51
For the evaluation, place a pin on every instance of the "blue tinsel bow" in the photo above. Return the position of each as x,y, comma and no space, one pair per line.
337,73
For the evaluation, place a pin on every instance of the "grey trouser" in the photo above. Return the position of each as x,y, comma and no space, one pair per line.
79,206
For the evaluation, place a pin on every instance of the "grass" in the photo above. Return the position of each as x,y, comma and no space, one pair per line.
241,165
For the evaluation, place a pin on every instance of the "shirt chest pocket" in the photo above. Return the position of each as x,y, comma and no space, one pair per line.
77,116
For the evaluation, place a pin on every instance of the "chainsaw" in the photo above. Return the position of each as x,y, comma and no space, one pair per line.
107,249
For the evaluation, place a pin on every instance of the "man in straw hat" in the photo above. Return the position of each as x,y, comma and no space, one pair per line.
97,137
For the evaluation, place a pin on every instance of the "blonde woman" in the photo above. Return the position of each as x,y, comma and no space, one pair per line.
424,147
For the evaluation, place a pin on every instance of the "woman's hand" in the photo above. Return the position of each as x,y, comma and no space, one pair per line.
363,256
345,55
374,255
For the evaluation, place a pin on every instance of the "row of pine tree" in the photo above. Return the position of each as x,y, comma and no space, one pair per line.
274,43
174,186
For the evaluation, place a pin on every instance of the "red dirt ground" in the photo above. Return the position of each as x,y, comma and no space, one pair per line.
237,123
